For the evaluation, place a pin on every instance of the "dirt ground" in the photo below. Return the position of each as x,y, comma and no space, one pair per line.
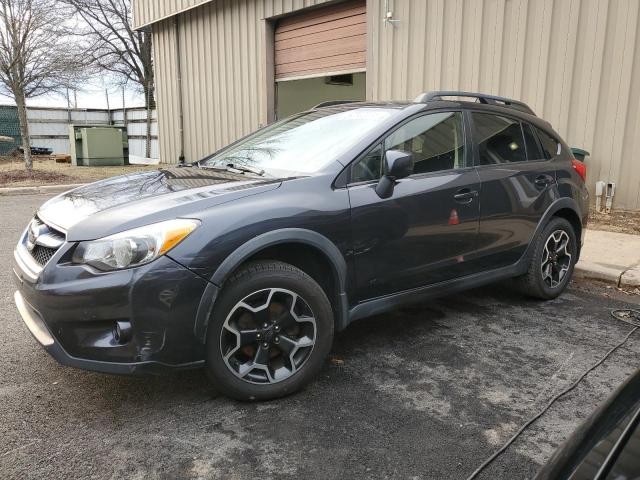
48,172
616,221
606,290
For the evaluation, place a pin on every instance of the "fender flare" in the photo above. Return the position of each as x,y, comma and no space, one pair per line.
556,206
254,245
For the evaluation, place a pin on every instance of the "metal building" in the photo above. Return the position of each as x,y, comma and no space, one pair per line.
224,67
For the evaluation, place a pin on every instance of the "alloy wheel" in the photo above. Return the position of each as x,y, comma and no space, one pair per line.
556,258
268,336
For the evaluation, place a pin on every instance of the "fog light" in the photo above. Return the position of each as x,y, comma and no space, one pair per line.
122,332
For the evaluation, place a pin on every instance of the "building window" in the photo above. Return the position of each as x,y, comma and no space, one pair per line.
346,79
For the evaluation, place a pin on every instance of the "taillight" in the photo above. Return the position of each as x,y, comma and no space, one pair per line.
579,167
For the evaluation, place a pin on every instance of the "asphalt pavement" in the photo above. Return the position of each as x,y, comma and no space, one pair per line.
424,392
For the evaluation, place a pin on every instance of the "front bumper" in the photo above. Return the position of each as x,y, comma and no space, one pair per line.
39,330
72,310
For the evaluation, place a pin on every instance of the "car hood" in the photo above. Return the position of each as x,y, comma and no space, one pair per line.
128,201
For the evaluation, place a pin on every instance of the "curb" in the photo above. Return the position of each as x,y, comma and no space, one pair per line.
36,189
629,277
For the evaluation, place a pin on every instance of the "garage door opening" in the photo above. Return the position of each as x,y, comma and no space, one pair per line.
298,95
320,55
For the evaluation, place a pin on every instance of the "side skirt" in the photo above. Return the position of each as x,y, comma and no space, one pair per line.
417,295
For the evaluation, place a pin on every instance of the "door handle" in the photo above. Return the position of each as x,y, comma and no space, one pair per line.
465,195
543,180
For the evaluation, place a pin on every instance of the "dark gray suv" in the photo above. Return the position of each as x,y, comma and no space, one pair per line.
248,261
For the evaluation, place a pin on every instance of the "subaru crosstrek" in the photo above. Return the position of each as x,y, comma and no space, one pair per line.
248,261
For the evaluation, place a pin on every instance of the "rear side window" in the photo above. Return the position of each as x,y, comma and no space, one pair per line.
549,144
534,152
499,139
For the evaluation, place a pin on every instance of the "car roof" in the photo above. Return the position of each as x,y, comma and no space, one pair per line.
438,104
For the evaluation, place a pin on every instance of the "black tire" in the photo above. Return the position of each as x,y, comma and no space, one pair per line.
534,283
250,282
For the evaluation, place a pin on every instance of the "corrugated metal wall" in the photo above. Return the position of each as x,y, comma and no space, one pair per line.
576,62
223,56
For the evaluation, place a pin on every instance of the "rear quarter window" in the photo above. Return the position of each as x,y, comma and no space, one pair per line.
549,144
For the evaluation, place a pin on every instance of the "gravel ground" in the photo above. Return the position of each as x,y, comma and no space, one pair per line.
423,392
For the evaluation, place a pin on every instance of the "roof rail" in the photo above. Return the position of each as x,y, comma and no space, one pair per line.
482,98
331,103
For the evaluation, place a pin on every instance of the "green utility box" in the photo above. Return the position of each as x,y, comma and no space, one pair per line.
98,145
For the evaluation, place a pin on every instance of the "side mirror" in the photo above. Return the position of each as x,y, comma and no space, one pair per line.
399,165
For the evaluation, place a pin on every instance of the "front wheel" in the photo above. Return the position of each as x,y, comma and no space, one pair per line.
271,329
552,262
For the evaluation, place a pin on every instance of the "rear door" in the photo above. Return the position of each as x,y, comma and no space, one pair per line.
518,185
423,232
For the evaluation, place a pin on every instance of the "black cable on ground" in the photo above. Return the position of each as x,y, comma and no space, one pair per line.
623,315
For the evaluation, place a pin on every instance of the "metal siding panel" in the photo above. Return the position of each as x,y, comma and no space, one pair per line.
624,48
470,49
164,39
630,175
416,69
435,17
574,61
513,42
373,46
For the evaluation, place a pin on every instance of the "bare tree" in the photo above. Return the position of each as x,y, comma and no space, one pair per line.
36,56
113,45
111,42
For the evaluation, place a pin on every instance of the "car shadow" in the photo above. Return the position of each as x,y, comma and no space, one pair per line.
395,327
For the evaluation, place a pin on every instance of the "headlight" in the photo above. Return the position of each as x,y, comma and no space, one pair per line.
134,247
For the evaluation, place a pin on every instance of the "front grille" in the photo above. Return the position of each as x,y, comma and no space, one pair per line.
43,241
42,254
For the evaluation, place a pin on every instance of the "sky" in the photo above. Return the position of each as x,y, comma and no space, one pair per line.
91,96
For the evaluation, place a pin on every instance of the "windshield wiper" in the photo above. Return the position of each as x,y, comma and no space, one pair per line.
231,167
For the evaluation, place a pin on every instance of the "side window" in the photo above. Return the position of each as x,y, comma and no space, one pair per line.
549,144
534,152
499,139
368,167
435,140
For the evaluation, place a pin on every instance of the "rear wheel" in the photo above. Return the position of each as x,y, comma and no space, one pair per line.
551,265
271,329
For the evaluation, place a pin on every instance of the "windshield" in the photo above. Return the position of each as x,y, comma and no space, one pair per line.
300,144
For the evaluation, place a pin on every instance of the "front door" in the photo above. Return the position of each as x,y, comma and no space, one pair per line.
423,233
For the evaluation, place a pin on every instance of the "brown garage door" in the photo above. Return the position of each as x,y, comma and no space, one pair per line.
321,41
